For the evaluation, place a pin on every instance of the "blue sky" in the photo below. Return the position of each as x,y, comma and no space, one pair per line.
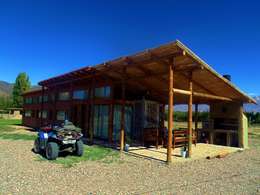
47,38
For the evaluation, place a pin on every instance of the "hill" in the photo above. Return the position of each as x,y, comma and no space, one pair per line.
6,88
205,108
253,107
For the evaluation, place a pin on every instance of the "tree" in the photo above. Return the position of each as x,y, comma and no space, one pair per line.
22,84
5,102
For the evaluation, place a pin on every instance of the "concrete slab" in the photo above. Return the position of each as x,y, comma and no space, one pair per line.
200,151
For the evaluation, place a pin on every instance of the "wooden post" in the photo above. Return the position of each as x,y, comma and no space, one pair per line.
91,129
110,132
196,122
71,102
122,129
170,113
228,139
41,104
240,128
190,119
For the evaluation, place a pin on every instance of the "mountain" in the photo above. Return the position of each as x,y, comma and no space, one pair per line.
253,107
205,108
6,88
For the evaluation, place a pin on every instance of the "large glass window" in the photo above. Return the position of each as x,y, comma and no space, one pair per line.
80,94
44,114
28,100
64,95
102,92
35,100
45,98
101,121
61,115
28,113
117,121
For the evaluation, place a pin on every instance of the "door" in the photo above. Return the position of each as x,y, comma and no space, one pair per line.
117,122
101,118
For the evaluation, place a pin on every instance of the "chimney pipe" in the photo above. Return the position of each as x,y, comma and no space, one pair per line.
227,76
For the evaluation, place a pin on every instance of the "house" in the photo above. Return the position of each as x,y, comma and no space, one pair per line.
126,98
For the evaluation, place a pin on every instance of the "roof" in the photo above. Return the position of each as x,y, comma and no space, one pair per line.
33,89
148,70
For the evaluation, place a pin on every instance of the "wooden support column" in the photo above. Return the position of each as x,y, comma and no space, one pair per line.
228,137
92,110
110,131
71,103
196,121
41,105
122,129
190,118
170,114
240,128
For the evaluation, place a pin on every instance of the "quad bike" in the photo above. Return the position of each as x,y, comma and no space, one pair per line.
54,138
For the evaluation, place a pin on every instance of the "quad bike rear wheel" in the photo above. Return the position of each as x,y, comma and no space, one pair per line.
79,148
52,151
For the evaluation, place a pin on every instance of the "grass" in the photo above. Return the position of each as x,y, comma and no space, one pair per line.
254,136
17,136
4,122
10,133
91,153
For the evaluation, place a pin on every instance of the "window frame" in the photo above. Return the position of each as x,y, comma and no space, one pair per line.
76,97
62,93
105,93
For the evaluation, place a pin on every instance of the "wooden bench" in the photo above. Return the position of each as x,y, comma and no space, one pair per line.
158,136
180,138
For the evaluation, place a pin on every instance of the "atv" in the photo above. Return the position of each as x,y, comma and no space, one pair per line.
54,138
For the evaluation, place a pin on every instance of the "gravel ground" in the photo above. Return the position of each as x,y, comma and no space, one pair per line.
21,173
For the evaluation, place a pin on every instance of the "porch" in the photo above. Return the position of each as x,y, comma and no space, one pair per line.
200,151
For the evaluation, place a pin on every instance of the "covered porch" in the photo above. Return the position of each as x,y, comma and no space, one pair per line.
181,77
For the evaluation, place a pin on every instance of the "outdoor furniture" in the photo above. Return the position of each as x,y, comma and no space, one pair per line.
180,138
153,136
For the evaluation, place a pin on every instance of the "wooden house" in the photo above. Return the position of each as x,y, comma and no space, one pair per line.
126,98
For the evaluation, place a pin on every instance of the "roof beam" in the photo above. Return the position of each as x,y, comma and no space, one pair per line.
198,94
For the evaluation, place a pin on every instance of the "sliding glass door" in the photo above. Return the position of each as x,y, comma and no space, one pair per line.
117,121
101,116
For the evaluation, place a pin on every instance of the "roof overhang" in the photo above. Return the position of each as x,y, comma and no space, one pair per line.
148,71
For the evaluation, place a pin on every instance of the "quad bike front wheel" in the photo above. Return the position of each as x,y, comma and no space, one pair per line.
79,148
36,146
52,151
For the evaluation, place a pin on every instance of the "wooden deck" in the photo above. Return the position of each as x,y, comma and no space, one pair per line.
200,151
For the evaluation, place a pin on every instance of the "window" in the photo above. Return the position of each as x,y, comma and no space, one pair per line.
61,115
28,113
45,98
101,115
64,95
28,100
102,92
35,100
80,94
44,114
